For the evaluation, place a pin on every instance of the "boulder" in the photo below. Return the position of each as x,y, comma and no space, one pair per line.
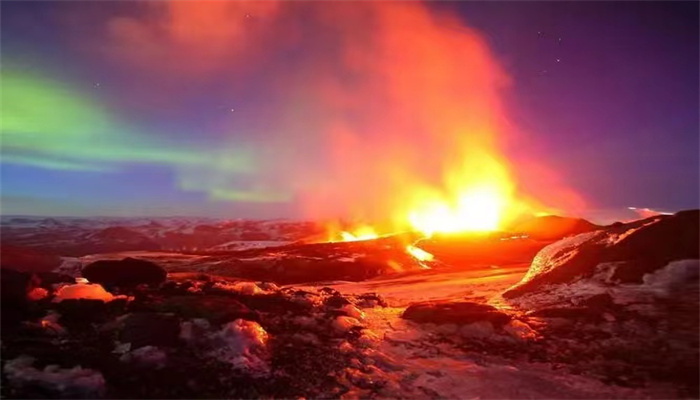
459,313
16,285
129,272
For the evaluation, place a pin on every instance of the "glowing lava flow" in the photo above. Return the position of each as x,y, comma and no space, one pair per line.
368,233
479,196
419,254
478,209
362,233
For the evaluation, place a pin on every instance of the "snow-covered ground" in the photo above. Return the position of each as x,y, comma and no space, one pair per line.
414,363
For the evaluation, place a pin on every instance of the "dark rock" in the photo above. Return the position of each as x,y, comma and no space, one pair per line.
82,311
52,278
15,286
328,290
454,313
156,329
276,303
129,272
336,301
369,300
215,309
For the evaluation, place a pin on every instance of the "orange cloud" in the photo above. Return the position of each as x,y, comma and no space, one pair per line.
376,102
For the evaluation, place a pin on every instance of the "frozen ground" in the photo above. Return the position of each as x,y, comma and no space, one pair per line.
415,363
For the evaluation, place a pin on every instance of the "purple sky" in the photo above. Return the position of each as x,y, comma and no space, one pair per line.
117,108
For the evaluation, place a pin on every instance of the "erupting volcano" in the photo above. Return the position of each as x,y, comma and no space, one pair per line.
349,200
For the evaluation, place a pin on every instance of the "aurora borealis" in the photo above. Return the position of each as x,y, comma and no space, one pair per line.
267,109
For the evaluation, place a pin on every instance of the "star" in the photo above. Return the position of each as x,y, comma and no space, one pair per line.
558,59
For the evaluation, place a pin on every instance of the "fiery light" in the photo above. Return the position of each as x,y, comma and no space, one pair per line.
394,113
419,254
479,196
476,209
363,232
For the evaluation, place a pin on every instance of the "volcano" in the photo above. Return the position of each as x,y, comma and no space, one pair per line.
575,304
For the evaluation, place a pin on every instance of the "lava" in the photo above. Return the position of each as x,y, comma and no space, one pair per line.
361,233
419,254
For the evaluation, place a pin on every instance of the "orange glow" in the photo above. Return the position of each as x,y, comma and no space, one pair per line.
403,122
477,196
357,234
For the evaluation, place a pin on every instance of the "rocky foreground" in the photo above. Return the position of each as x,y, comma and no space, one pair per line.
608,313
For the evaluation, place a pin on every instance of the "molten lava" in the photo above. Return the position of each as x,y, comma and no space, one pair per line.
361,233
477,209
419,254
479,196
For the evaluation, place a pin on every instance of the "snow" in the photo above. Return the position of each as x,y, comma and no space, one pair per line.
519,330
353,312
479,329
660,283
663,281
76,381
147,355
343,324
83,291
242,344
404,361
432,285
244,288
70,266
562,251
194,329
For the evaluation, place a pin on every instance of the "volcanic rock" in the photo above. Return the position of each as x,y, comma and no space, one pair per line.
217,309
82,311
156,329
459,313
128,272
623,254
16,285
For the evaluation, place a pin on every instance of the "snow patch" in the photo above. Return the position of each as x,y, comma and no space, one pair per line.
147,355
69,382
244,288
663,281
343,324
477,330
242,344
353,312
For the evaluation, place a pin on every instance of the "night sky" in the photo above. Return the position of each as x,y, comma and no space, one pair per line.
267,110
